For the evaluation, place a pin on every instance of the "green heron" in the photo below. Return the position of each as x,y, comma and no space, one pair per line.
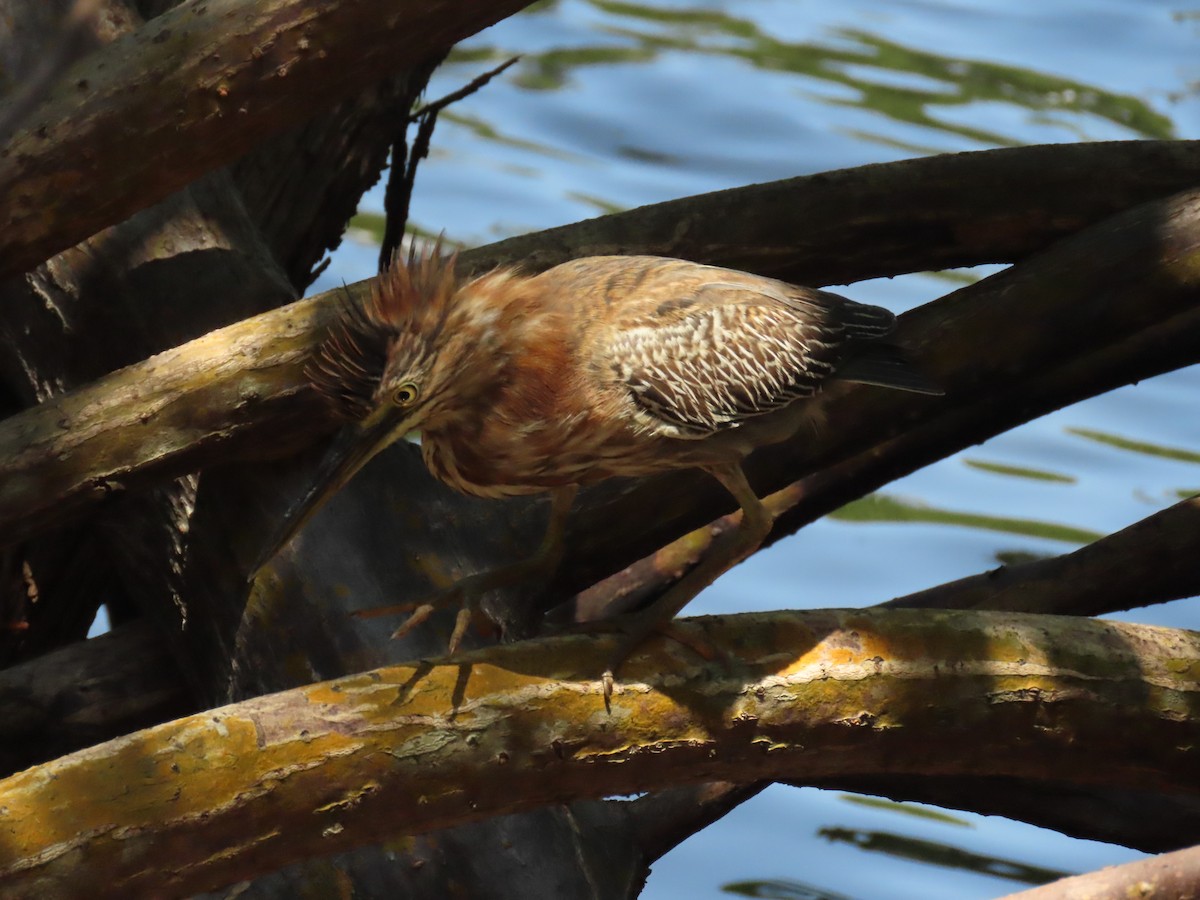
602,366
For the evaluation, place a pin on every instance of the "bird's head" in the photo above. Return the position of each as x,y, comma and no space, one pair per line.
384,372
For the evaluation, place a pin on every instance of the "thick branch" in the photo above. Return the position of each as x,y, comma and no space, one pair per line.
169,415
76,36
209,799
91,691
1151,561
198,87
838,227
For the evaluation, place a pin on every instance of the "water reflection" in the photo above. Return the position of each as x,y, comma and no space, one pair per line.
1019,471
485,131
886,508
1124,443
780,889
939,854
906,809
1018,557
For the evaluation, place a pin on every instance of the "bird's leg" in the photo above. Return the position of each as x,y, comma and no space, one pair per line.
724,555
470,590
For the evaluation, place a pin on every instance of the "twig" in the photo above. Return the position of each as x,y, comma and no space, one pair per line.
467,90
403,175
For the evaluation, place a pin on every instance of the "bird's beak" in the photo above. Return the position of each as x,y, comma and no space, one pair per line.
352,449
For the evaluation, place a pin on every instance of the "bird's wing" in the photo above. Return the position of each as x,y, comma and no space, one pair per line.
728,350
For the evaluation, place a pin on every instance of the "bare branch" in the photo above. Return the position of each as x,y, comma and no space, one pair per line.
162,414
91,691
403,175
880,220
463,92
76,38
1151,561
664,819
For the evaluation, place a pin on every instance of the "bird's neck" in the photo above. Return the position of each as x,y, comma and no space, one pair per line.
498,329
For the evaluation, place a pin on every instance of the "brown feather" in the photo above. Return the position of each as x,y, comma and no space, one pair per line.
598,367
405,311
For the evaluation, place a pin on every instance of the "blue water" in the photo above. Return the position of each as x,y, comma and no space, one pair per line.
617,105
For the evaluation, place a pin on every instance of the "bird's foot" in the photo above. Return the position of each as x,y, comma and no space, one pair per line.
467,594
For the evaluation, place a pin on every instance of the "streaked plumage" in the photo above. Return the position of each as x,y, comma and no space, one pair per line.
598,367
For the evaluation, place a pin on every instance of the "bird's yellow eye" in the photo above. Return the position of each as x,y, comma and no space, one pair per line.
405,395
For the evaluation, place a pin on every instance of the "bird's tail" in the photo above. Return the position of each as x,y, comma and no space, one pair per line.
885,365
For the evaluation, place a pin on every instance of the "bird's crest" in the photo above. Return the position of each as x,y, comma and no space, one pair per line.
405,313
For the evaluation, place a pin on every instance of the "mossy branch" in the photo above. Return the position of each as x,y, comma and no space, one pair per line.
226,794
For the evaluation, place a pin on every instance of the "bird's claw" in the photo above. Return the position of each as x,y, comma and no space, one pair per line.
466,592
632,636
461,621
641,628
417,617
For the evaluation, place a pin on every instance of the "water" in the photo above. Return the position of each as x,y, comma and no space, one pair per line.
616,105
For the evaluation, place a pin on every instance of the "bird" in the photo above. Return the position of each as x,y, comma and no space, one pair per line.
601,366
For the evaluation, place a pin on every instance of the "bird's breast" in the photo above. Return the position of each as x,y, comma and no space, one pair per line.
505,458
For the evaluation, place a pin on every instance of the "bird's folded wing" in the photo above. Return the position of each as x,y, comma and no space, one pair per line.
730,351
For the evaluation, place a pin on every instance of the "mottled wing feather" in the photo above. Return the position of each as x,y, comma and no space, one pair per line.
731,351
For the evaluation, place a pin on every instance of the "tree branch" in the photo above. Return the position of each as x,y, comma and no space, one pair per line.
172,414
209,799
88,692
1151,561
915,215
199,86
76,37
1168,876
403,175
